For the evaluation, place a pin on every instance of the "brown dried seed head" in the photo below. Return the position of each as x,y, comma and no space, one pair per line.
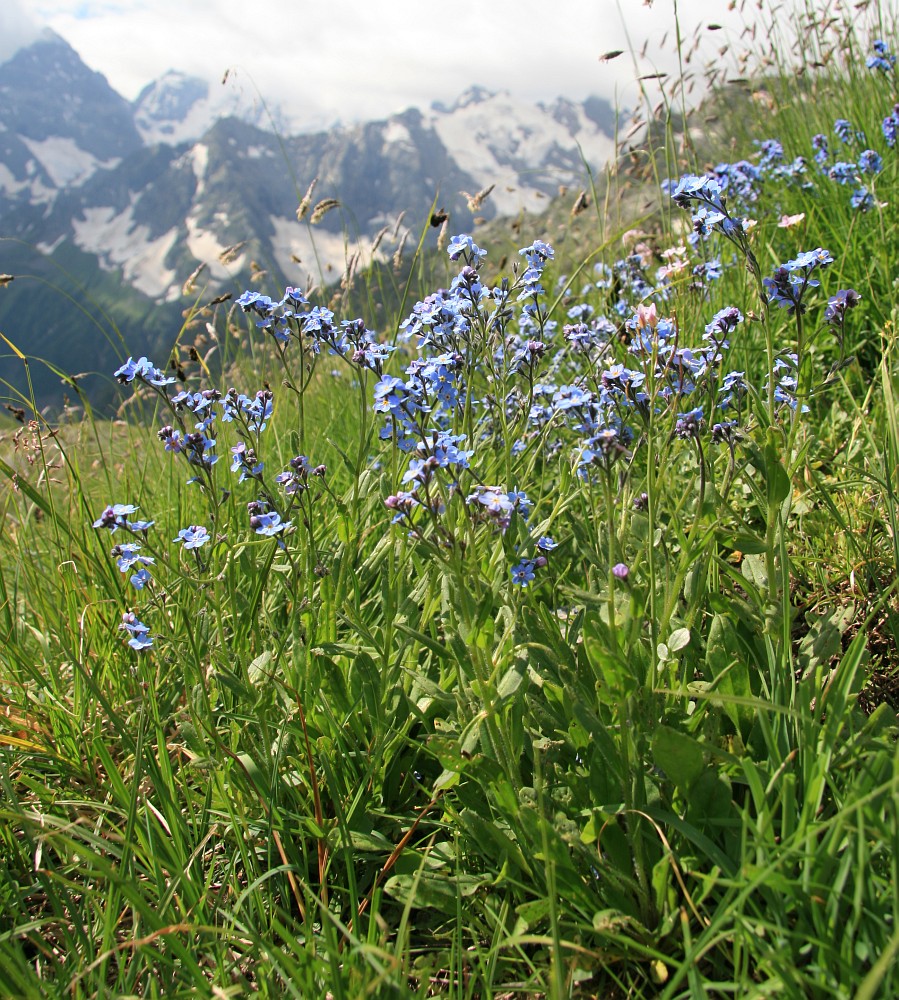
306,201
231,253
322,209
191,282
376,242
398,255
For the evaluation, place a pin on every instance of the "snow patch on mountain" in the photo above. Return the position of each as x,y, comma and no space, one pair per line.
118,242
396,134
199,161
32,182
65,162
50,248
323,256
9,184
206,247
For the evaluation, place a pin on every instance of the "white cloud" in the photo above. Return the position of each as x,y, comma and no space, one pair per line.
17,29
360,59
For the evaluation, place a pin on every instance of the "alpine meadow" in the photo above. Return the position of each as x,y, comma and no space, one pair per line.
516,617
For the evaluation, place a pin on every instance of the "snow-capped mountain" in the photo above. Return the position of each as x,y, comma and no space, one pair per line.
59,123
179,108
133,197
526,150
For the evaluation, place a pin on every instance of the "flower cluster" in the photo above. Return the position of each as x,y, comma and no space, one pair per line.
789,283
264,521
197,416
127,556
706,196
729,189
890,126
115,516
138,634
882,59
786,382
144,371
192,537
866,163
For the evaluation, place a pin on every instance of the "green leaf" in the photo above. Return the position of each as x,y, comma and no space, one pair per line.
510,683
745,542
259,669
679,756
710,800
432,891
678,639
727,669
754,572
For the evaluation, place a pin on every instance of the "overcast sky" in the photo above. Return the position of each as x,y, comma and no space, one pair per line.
358,59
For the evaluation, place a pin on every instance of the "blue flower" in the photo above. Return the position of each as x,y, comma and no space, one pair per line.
822,149
403,503
694,188
143,370
244,461
847,131
261,305
688,424
295,478
843,173
193,537
538,253
725,432
464,246
520,500
523,573
861,199
529,283
723,323
870,162
787,285
837,306
268,523
128,555
114,517
139,526
495,504
811,259
196,446
172,438
708,270
890,126
772,152
882,59
140,634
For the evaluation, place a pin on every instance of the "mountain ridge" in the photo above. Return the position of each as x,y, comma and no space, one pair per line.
146,191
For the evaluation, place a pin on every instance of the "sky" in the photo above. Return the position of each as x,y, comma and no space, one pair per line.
351,60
